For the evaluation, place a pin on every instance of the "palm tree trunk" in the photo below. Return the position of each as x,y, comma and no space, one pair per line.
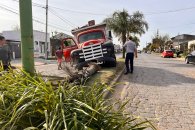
123,53
123,40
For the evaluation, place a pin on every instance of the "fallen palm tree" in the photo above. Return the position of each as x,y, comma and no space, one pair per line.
75,74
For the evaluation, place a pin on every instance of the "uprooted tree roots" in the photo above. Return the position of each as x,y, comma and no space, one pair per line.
79,75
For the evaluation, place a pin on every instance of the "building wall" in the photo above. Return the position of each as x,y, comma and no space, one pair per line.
181,42
191,45
38,37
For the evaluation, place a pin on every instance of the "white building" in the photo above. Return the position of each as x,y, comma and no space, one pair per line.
191,45
38,37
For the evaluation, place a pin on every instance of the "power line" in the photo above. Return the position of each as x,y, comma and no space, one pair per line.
171,11
67,10
80,12
90,13
36,20
66,21
34,4
54,13
60,28
187,24
2,7
63,19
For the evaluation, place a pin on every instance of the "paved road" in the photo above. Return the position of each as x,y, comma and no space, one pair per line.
162,90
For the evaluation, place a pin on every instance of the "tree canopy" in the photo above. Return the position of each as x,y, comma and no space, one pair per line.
123,25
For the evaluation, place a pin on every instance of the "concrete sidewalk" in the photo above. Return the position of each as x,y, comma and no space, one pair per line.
44,67
38,61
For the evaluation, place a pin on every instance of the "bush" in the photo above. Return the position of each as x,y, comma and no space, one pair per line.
32,103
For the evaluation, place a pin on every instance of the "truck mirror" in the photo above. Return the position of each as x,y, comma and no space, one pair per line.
110,34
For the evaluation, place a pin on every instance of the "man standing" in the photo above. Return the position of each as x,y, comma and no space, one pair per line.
59,56
131,49
5,54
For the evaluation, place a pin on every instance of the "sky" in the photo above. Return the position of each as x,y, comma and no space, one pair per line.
170,17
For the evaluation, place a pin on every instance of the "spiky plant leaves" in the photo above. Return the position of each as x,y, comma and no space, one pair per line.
33,103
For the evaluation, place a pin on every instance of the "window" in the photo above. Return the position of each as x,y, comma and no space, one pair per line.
36,42
69,42
36,46
90,36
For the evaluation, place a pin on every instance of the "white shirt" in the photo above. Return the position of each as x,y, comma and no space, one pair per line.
130,46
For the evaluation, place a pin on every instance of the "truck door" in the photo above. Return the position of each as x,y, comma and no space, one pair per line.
68,44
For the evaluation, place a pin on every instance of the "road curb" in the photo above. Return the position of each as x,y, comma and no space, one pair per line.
113,82
180,59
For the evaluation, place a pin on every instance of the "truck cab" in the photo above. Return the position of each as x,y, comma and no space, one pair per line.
92,43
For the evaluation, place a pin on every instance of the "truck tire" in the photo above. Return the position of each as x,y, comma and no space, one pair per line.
113,64
110,63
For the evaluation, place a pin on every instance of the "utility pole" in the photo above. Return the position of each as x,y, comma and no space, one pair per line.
46,44
27,36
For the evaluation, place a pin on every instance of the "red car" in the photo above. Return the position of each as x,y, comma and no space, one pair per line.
167,53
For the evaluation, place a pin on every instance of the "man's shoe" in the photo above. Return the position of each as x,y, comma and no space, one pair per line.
126,73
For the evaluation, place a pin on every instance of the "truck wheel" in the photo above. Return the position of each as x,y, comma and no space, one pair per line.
187,61
114,64
110,63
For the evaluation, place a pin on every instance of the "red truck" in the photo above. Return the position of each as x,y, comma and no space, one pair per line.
91,43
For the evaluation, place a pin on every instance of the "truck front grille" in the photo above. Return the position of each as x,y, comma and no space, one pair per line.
92,52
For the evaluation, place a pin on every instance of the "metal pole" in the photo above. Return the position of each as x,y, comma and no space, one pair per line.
27,36
46,44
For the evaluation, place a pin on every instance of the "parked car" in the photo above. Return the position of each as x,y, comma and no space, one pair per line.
139,51
190,57
148,52
167,53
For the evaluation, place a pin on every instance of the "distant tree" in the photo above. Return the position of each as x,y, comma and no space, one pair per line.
161,42
124,25
16,27
148,46
136,40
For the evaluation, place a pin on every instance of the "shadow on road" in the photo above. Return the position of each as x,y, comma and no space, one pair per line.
157,77
171,64
190,65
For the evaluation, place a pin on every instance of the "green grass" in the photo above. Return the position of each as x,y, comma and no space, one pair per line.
32,103
107,74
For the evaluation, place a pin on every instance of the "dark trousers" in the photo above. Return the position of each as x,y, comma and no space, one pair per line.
5,67
129,57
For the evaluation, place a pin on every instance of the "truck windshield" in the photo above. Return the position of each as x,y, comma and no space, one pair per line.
90,36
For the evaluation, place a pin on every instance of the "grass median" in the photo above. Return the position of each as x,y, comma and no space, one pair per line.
107,74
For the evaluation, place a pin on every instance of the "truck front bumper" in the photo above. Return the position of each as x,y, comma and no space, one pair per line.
100,60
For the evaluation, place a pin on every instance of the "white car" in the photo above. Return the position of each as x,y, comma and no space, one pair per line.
148,52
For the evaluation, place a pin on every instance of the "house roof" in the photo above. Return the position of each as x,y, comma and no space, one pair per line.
15,35
183,37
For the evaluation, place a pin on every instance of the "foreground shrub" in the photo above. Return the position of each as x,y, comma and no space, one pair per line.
31,103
